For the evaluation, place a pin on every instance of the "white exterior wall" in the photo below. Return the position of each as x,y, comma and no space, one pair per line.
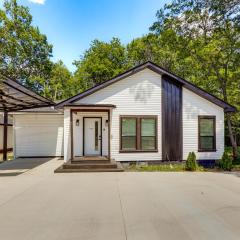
67,135
193,106
38,135
9,137
139,94
78,132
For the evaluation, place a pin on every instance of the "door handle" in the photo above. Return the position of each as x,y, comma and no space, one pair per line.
99,138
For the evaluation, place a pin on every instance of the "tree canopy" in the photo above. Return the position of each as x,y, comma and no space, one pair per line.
24,51
100,62
209,36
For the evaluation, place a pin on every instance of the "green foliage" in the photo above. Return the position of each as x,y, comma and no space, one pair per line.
59,84
191,163
226,162
99,63
24,51
156,168
208,38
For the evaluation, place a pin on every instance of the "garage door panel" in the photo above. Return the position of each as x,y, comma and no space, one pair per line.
39,135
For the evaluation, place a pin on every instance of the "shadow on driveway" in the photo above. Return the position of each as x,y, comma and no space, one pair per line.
20,165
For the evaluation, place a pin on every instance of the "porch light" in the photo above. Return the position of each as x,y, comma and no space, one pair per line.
77,122
106,123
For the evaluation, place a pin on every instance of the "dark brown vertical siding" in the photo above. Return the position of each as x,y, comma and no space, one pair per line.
171,120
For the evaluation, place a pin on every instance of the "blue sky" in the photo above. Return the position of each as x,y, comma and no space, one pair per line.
71,25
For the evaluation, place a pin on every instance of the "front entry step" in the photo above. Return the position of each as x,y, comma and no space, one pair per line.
109,166
61,170
90,161
89,165
94,159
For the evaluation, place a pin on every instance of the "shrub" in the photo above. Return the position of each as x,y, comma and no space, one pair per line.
191,163
226,162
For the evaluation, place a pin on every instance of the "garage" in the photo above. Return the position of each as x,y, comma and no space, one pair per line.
38,135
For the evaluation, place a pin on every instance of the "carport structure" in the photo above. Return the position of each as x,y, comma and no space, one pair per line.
16,97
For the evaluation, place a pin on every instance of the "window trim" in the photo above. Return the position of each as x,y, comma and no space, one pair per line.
214,133
138,133
131,136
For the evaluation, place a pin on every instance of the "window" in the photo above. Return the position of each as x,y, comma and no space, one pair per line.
138,133
129,133
207,133
148,134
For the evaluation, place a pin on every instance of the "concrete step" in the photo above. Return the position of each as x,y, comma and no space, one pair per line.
90,161
110,166
89,165
62,170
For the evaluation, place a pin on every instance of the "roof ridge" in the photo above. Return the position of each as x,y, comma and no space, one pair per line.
156,68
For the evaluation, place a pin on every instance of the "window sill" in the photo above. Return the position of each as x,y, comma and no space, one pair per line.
210,150
138,151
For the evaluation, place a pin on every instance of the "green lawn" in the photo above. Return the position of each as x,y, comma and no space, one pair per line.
158,168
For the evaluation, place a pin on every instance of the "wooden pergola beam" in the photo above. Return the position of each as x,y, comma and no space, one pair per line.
5,134
15,99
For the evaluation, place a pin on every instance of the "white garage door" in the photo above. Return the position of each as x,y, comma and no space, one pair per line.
38,135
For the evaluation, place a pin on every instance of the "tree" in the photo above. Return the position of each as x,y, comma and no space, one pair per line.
58,85
164,49
210,34
100,62
24,51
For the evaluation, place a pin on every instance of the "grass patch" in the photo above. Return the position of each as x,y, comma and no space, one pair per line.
159,168
9,156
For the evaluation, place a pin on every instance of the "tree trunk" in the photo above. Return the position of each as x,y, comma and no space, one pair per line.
233,141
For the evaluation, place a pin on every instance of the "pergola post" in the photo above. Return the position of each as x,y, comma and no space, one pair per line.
5,134
109,134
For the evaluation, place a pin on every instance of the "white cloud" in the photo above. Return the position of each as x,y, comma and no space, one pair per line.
37,1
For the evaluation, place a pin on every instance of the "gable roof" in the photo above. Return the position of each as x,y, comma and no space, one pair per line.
154,67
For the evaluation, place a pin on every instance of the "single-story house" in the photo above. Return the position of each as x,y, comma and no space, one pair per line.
143,114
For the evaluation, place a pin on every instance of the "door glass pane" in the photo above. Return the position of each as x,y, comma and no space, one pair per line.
147,127
206,143
128,126
148,143
96,135
206,127
128,143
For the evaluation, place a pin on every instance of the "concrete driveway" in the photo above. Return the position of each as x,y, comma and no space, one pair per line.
39,204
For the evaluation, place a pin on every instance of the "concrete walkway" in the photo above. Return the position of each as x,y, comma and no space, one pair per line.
40,205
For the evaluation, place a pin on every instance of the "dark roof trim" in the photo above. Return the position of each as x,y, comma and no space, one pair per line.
199,91
91,105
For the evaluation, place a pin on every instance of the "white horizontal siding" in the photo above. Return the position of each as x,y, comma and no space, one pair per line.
139,94
38,135
67,136
193,106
